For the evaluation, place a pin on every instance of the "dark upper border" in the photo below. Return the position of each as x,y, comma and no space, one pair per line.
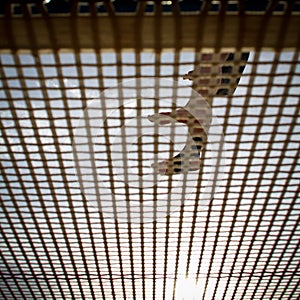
121,24
59,7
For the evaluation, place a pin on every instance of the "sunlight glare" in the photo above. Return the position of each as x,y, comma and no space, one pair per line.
188,289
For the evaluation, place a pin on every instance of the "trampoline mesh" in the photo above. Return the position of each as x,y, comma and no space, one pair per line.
241,244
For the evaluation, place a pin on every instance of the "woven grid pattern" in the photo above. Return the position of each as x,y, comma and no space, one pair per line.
243,244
